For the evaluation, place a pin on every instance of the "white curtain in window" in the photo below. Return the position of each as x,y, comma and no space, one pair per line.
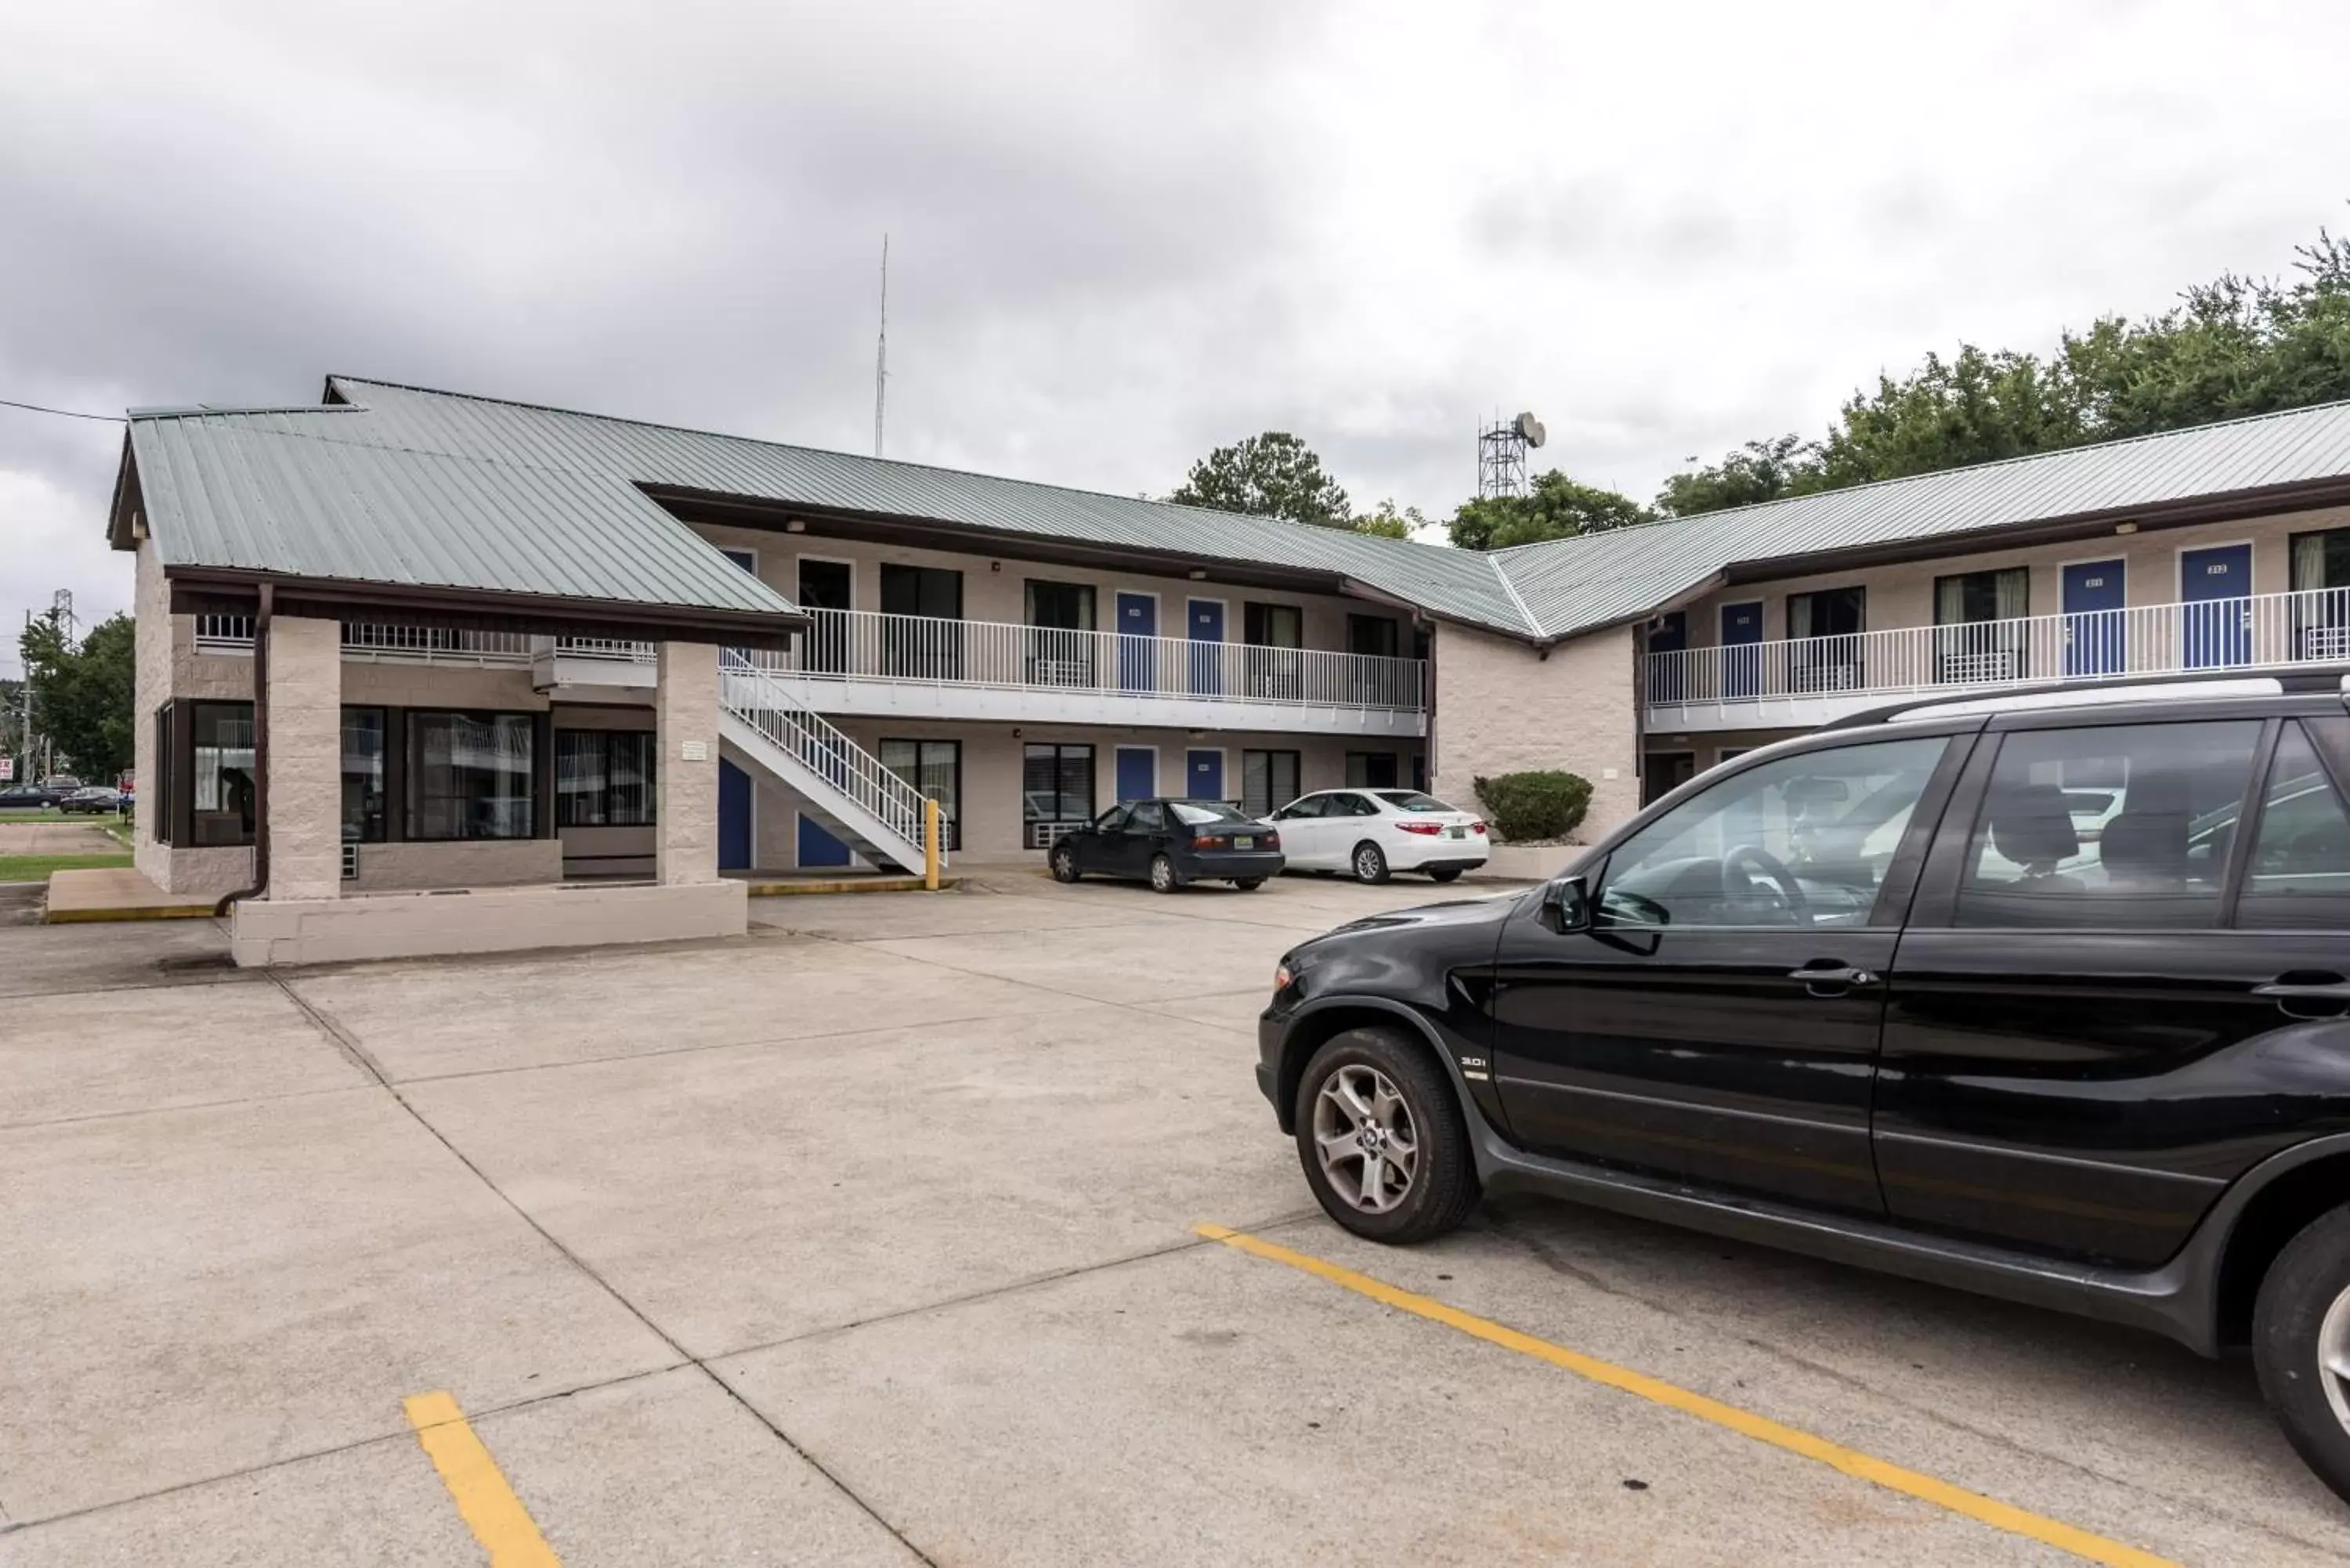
2309,562
1949,601
2013,589
1799,615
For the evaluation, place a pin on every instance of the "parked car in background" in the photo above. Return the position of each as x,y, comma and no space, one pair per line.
1171,843
1370,833
95,801
61,784
2045,994
27,797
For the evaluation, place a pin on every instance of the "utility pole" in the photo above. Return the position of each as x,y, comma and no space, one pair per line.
881,350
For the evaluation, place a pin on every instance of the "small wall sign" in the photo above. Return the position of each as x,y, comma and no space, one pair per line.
695,750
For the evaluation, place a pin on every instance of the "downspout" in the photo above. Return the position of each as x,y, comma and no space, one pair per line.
260,759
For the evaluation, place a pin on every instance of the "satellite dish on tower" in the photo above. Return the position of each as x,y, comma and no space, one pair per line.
1531,429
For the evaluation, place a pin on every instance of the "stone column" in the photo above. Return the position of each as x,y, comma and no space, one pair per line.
685,717
306,758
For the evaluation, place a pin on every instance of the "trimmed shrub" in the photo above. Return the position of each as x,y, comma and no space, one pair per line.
1546,804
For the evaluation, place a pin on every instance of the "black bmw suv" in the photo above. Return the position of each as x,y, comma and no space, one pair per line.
2046,995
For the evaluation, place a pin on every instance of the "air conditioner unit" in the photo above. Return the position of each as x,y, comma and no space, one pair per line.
350,862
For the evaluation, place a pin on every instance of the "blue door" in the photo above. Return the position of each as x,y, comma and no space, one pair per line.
2096,640
819,848
1137,774
1203,775
1137,659
2216,586
1742,651
1205,621
734,817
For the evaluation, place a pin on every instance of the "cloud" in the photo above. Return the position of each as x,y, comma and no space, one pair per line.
1118,235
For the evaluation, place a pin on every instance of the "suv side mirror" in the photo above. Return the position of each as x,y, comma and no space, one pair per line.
1566,904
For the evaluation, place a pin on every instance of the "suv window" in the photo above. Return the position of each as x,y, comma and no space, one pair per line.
2300,870
1801,841
2097,827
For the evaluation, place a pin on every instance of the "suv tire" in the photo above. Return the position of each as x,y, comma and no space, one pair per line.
1369,863
2302,1321
1418,1198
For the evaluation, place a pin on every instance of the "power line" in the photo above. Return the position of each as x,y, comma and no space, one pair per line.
62,414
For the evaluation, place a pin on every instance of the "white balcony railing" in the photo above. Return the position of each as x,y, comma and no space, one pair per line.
382,642
1768,678
862,645
859,645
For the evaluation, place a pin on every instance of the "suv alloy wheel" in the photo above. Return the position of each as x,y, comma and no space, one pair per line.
1384,1146
2300,1345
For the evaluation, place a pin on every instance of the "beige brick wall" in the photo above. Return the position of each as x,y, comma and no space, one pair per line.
685,717
150,607
470,863
1504,707
306,758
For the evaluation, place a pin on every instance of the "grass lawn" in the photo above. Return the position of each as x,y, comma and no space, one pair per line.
37,868
37,813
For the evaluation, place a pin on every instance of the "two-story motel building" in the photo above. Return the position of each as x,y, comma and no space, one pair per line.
403,642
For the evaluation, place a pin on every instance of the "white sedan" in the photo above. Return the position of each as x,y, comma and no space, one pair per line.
1369,833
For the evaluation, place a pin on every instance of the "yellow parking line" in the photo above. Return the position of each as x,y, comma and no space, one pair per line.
483,1499
1761,1428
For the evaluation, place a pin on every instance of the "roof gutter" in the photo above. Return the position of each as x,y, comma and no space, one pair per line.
260,759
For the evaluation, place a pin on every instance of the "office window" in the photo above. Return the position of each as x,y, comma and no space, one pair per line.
364,808
470,775
1057,784
935,768
1370,770
155,790
1374,635
221,795
604,778
1272,625
2113,825
1268,781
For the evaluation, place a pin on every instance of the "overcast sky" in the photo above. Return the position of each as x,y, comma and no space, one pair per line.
1120,233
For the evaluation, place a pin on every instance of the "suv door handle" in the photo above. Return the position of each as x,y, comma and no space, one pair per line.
1815,975
2306,995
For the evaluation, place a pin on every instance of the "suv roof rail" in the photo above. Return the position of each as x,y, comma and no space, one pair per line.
2180,686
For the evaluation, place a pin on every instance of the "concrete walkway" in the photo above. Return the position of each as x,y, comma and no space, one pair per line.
55,838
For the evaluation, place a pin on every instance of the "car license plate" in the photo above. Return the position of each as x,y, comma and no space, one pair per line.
1457,833
1244,842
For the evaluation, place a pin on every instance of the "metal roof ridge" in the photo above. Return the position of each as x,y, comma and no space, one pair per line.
1501,575
1307,529
198,410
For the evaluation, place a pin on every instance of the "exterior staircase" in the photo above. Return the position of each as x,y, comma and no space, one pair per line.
844,786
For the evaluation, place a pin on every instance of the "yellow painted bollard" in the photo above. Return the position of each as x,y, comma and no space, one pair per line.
930,845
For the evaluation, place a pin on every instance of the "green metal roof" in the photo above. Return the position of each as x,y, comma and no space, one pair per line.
409,486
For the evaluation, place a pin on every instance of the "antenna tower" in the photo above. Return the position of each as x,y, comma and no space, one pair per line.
1501,449
881,350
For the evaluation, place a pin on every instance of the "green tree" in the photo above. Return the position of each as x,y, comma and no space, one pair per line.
1553,507
1975,407
1758,471
1270,475
1387,522
82,696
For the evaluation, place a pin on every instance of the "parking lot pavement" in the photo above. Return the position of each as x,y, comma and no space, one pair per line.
869,1238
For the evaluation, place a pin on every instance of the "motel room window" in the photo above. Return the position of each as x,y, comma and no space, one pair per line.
604,778
1371,635
470,775
1370,770
221,795
1272,625
1825,627
934,770
1977,637
365,809
2321,569
1060,642
1056,786
1268,781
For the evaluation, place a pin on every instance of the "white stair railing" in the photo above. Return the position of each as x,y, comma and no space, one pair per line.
767,706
